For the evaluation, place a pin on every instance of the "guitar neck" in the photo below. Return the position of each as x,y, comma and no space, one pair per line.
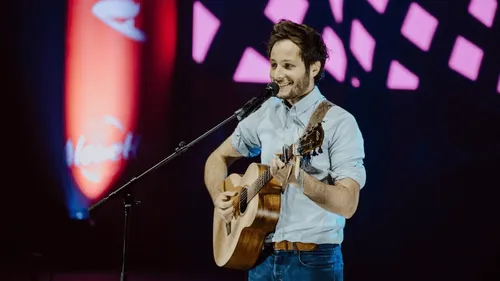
259,183
304,147
287,153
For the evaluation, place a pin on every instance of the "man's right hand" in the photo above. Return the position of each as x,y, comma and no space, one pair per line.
224,205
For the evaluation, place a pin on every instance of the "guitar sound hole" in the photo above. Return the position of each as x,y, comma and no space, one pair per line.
243,200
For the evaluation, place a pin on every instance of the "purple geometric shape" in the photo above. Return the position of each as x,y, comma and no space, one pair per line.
336,65
498,85
379,5
362,45
466,58
337,7
205,26
400,78
294,10
252,68
355,82
483,10
419,27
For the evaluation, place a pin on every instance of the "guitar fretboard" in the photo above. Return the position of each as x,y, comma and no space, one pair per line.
262,180
258,184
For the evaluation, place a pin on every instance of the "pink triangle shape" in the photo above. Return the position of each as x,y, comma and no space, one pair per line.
336,65
379,5
252,68
400,78
205,26
337,7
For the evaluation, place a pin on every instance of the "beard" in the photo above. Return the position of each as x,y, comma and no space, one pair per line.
296,90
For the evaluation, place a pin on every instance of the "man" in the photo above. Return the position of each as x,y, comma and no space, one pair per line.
314,205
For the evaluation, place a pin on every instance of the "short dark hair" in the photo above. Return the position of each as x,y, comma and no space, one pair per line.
311,44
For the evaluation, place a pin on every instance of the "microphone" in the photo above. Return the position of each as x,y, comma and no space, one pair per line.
255,103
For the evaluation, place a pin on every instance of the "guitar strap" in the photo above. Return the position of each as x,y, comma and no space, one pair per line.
319,113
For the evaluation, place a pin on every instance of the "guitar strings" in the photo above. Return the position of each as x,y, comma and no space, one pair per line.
254,186
266,176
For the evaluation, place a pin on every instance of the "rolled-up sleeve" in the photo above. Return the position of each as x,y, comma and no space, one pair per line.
346,150
245,138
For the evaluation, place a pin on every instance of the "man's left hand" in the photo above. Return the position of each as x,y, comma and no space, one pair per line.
284,173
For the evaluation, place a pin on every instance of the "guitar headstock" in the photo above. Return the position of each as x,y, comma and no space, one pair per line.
311,140
306,146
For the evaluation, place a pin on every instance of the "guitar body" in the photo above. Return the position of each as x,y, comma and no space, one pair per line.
238,245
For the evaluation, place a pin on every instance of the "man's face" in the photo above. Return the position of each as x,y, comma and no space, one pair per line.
288,70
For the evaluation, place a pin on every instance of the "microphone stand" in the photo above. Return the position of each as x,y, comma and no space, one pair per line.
124,191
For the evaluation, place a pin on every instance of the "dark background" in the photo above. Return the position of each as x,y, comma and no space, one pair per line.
429,209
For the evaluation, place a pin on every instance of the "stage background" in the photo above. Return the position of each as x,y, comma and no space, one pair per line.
429,209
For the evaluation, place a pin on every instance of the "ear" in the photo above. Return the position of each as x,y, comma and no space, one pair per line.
314,69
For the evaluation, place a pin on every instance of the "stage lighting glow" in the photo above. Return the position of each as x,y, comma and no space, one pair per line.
79,215
400,78
498,85
294,10
362,45
205,26
379,5
337,7
252,68
336,64
103,48
419,27
355,82
483,10
466,58
120,15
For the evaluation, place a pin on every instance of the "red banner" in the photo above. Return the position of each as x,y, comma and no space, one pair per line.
104,43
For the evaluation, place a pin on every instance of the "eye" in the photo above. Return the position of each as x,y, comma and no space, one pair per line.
273,65
288,66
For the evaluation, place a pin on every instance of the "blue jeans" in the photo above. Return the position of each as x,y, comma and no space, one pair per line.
325,263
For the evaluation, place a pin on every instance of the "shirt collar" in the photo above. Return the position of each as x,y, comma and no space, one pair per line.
305,104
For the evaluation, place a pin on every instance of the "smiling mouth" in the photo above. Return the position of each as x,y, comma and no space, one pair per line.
284,85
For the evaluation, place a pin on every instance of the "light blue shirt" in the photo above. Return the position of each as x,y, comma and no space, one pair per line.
274,125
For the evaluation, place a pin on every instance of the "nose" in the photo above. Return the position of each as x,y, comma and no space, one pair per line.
278,74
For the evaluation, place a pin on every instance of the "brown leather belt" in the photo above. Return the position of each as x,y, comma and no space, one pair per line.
289,246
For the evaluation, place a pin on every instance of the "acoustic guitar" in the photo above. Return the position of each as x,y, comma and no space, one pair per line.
237,244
